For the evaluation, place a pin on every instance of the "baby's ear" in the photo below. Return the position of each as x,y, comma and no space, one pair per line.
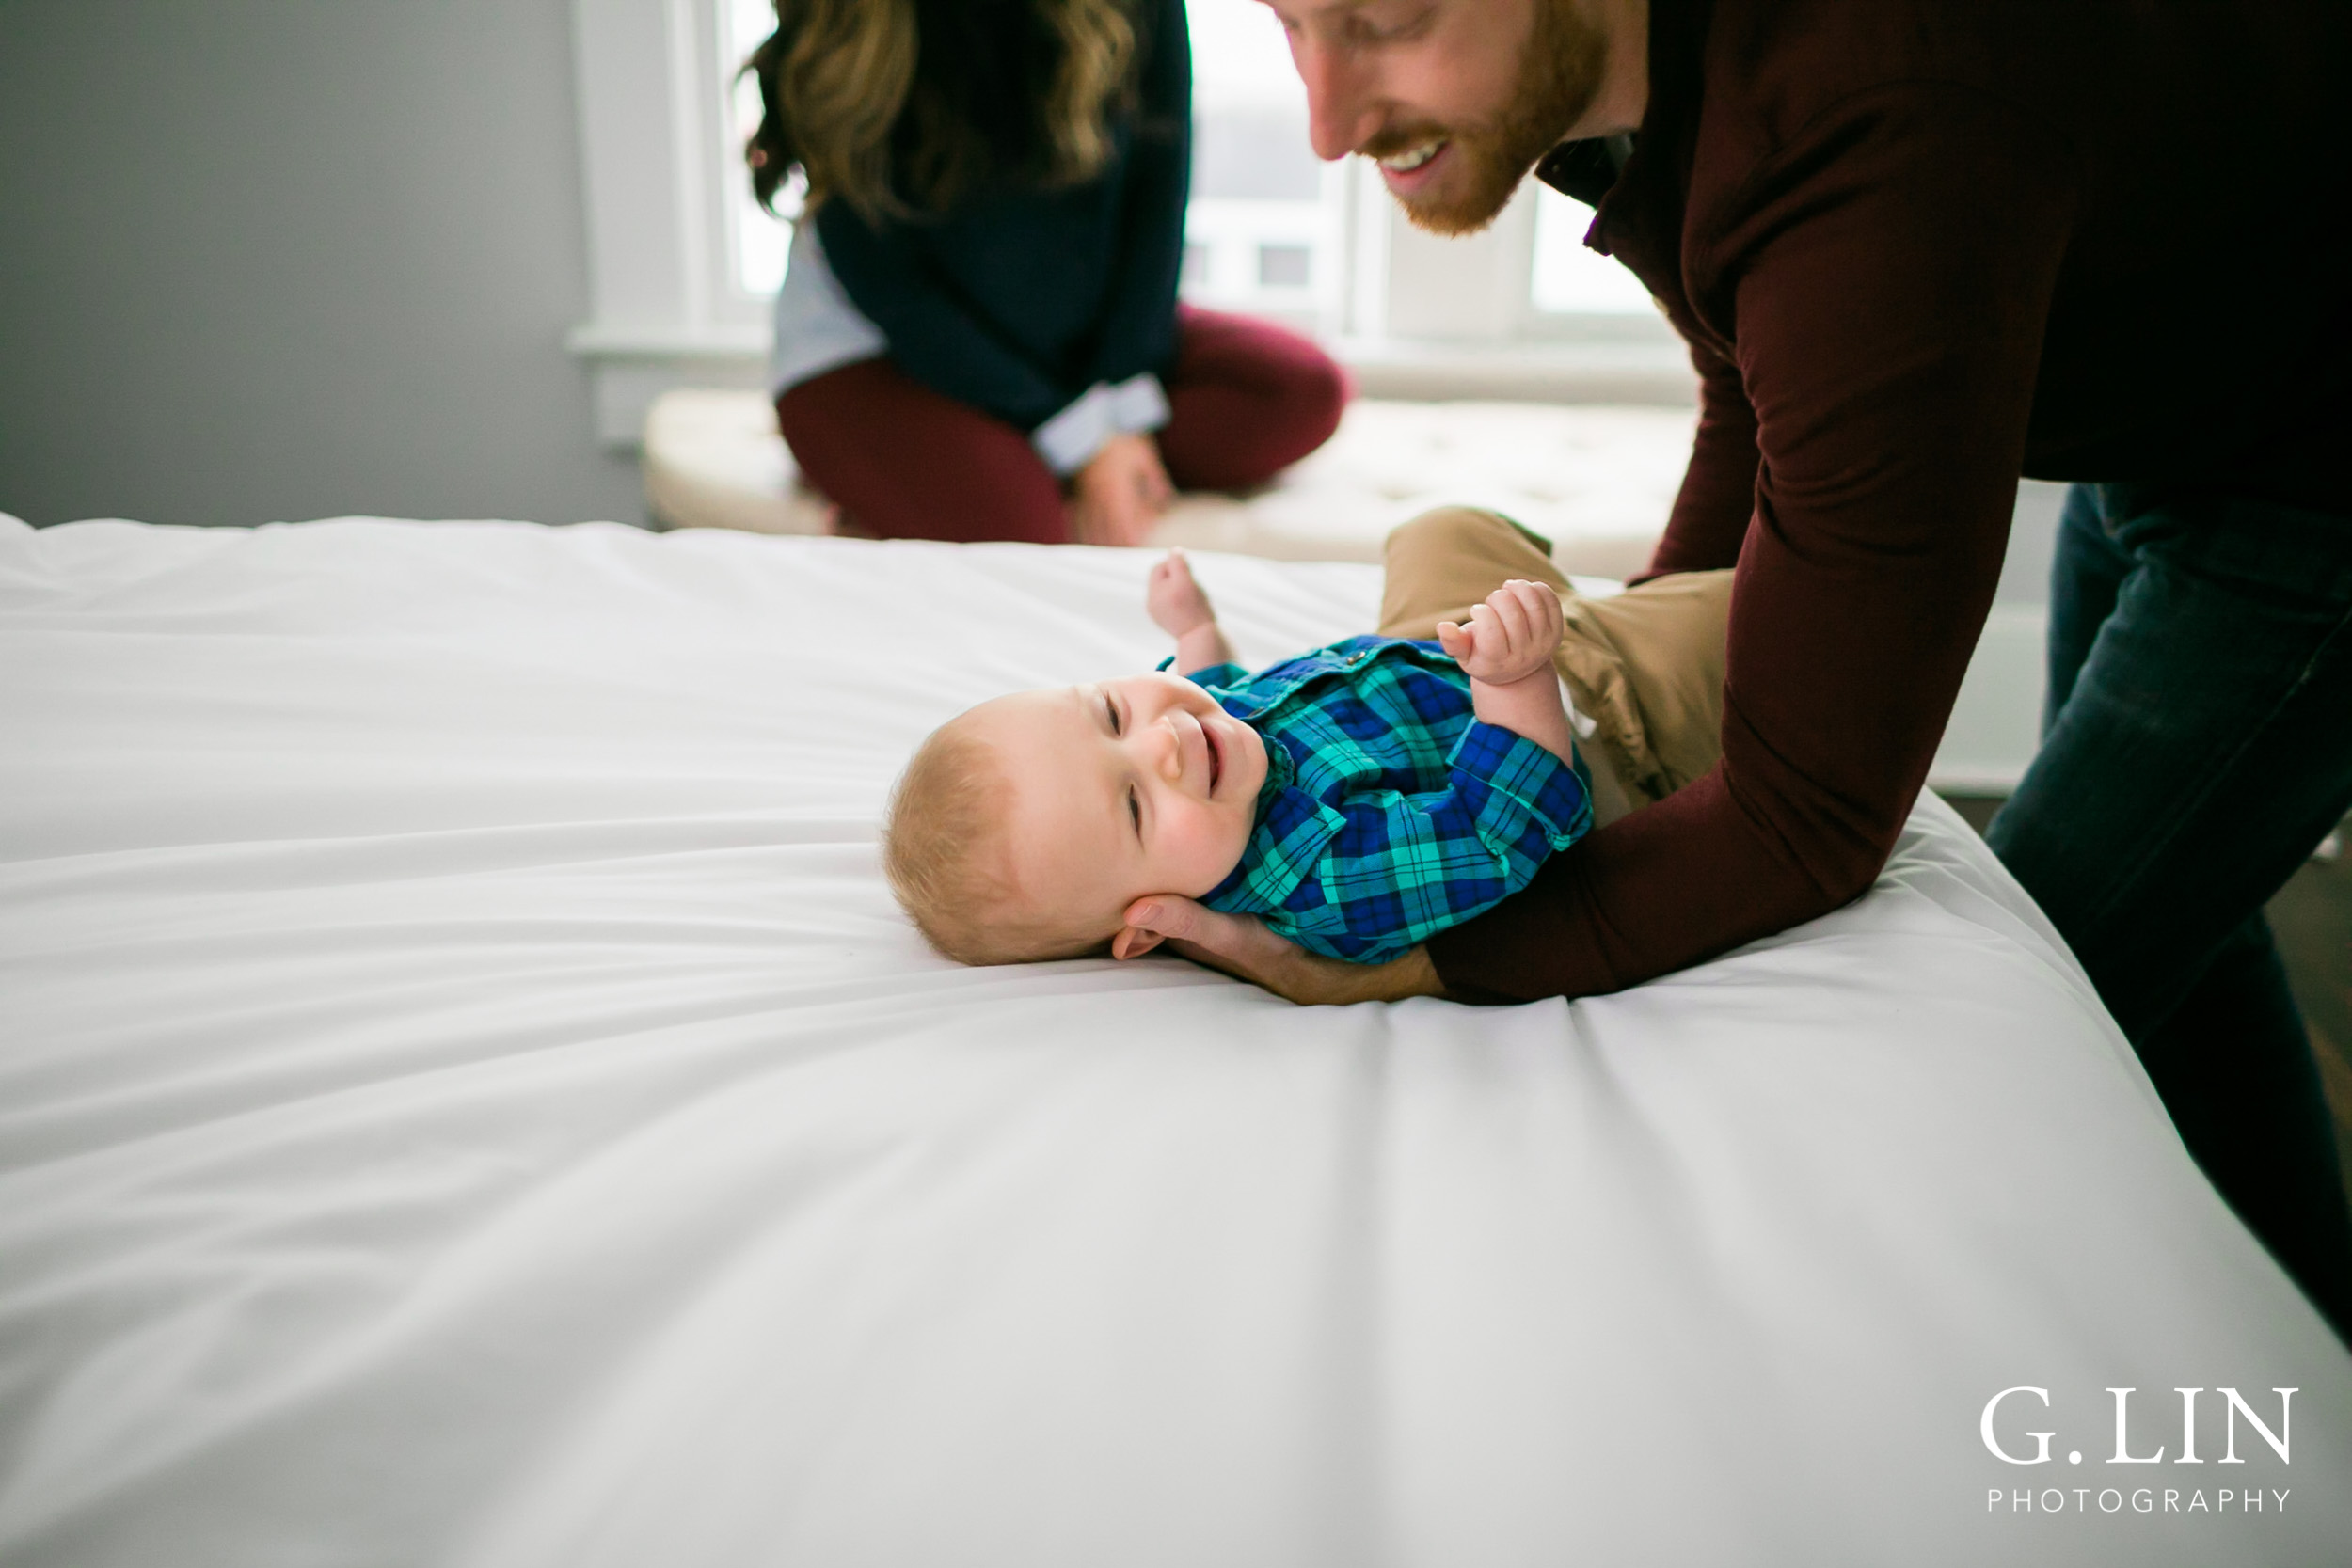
1133,943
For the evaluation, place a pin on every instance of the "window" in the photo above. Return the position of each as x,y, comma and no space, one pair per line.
756,239
1274,230
683,264
1264,231
1565,278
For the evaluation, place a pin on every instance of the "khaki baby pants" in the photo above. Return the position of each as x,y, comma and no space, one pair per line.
1646,667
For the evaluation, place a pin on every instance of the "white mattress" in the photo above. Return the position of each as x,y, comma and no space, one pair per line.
467,1098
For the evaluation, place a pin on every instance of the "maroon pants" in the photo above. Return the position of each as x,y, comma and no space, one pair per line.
1245,399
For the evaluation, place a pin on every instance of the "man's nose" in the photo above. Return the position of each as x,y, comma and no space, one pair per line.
1340,113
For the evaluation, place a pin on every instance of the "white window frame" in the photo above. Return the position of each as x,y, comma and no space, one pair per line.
664,311
656,150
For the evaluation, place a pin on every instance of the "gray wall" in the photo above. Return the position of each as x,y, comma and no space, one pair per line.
283,259
2032,540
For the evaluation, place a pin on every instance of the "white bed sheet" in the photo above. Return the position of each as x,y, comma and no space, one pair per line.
467,1098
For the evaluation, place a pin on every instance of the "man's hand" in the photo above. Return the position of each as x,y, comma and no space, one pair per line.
1241,946
1510,637
1120,492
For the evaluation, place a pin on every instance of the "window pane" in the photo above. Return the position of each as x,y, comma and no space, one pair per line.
756,241
1263,232
1244,153
1239,56
1264,229
1284,265
1569,280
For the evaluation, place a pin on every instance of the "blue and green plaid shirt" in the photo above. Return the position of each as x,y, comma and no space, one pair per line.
1389,811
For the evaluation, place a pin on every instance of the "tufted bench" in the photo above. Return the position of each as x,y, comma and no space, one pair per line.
1594,479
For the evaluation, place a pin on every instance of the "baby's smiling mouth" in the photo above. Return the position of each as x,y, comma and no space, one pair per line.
1217,759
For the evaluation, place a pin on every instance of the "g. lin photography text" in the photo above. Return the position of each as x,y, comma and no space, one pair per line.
2141,1493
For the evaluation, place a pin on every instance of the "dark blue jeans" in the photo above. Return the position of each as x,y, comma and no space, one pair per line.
2196,745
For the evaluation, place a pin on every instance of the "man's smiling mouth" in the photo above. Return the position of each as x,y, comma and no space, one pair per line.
1405,162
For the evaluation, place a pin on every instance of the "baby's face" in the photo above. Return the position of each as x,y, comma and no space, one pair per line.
1123,788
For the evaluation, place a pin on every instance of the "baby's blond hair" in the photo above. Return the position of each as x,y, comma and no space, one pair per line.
944,850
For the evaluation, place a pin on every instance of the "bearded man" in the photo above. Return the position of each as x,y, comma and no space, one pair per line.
1917,249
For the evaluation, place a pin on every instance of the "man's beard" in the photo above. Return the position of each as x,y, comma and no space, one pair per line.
1557,84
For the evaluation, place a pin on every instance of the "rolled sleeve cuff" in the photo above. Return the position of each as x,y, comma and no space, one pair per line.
1208,674
1552,794
1139,403
1070,440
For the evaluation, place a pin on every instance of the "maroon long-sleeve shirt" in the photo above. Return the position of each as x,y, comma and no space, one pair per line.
1919,247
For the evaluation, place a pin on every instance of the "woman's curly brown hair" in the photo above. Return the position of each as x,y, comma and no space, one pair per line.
902,106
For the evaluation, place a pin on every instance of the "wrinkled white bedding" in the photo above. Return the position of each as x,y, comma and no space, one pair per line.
467,1098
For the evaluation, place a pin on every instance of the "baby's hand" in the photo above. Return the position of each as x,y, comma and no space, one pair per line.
1175,601
1510,637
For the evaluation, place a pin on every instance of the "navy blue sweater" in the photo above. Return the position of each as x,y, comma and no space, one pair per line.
1018,300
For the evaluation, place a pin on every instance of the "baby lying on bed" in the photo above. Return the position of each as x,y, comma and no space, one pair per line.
1357,797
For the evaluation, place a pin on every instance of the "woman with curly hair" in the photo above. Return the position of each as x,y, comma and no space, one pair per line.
980,306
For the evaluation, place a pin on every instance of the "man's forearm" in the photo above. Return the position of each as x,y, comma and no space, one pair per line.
1527,706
